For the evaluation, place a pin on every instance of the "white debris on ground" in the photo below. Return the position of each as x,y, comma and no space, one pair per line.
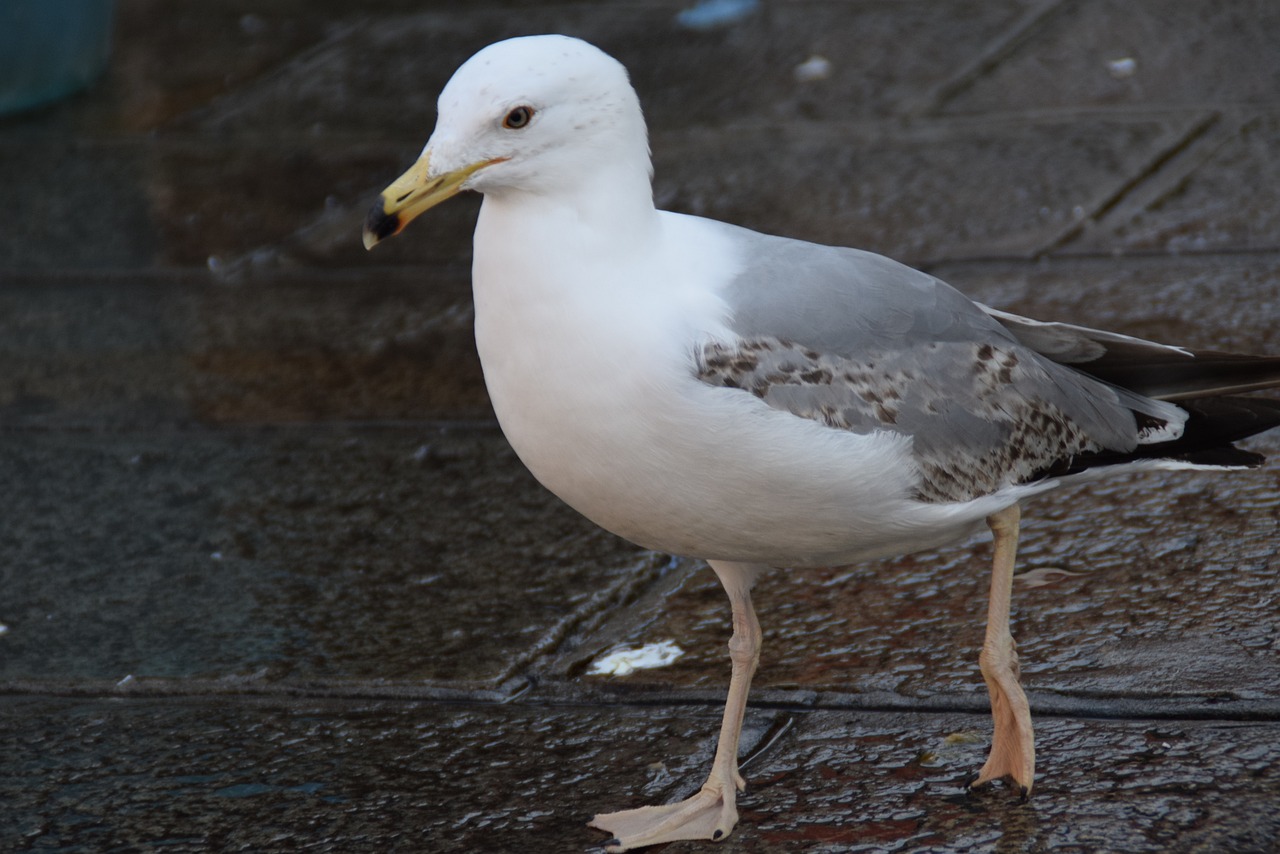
1123,67
627,660
812,69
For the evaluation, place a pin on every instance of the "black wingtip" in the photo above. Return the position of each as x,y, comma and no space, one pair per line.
1213,424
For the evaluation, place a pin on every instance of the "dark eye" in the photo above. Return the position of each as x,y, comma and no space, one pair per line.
518,118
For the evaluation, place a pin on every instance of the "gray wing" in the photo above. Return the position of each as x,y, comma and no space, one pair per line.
862,343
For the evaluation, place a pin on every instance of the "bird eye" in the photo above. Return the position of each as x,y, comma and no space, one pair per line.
518,118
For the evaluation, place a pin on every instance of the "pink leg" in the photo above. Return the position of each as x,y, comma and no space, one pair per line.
1013,752
712,812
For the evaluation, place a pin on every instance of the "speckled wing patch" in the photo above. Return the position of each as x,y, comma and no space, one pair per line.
982,416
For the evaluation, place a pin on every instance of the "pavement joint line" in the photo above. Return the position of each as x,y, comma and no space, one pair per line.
199,276
1013,259
1043,704
184,427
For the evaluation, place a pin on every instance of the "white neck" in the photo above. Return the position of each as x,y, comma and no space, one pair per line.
614,203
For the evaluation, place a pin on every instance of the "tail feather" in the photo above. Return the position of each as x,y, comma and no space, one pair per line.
1160,371
1201,374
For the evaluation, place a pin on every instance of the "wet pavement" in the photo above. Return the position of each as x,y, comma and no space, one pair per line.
273,580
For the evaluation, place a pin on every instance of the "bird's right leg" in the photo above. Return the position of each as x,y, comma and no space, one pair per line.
1013,752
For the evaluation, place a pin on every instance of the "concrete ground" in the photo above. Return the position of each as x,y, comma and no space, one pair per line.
273,580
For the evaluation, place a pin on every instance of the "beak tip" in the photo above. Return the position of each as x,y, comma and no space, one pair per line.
379,225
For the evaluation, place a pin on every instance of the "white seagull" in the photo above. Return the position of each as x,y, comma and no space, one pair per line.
755,401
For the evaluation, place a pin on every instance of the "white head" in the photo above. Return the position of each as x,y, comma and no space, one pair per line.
538,115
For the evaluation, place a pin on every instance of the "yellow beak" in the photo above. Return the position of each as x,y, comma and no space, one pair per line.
412,194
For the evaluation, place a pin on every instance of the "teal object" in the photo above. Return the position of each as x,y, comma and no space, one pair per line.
51,48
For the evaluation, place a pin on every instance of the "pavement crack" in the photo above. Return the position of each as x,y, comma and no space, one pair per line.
1168,168
585,619
778,729
1024,28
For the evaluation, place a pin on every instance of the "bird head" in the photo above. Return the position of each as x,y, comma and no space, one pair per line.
537,115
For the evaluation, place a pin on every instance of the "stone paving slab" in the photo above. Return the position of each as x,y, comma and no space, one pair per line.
1212,205
412,553
877,783
82,207
271,775
342,776
932,191
137,350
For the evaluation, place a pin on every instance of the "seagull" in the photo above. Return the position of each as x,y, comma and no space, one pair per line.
756,401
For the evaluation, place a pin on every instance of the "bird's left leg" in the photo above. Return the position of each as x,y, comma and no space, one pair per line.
712,812
1013,752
